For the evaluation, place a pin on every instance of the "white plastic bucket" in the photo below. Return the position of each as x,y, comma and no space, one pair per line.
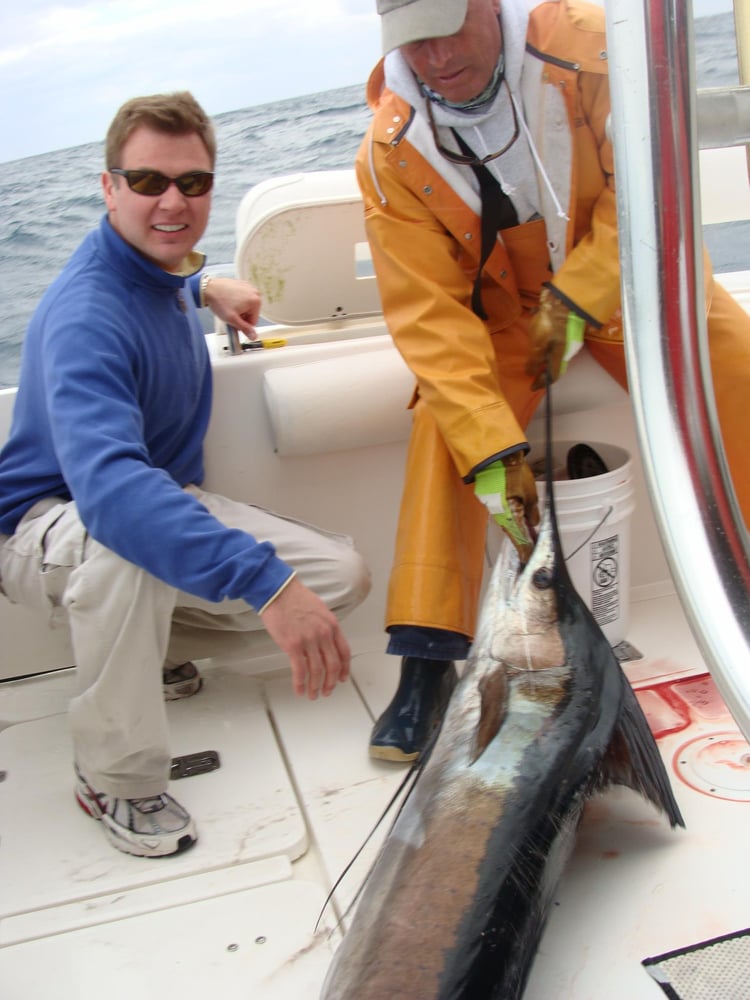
593,515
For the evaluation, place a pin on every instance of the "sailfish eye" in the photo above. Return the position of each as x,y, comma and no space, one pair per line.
542,578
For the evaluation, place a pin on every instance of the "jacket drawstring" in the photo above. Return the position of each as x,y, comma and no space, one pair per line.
561,213
373,173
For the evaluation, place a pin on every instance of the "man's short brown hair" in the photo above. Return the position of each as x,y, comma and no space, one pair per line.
173,114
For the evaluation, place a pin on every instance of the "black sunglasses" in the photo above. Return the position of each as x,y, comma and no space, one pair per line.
152,183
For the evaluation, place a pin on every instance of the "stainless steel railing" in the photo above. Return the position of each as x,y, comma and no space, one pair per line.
723,117
652,73
742,34
723,113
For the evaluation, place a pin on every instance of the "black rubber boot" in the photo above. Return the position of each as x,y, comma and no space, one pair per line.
404,729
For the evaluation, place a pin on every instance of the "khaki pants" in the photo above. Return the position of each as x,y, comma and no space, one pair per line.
125,623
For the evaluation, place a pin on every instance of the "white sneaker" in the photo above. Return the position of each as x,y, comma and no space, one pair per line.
152,827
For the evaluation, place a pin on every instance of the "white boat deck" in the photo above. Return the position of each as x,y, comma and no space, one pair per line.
293,800
296,794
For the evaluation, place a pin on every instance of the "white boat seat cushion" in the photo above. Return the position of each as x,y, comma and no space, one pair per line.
361,400
339,403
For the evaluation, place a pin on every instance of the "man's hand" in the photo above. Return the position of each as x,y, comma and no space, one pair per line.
508,490
310,635
236,302
556,336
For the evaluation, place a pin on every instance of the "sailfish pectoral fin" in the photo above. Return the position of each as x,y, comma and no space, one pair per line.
633,759
493,691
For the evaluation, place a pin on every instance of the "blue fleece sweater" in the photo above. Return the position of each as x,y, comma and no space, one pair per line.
112,409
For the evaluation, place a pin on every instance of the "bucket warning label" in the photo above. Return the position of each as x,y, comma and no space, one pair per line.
605,579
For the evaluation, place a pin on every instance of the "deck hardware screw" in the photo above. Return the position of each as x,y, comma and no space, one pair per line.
260,939
233,947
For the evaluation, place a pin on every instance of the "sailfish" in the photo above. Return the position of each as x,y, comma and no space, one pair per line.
542,718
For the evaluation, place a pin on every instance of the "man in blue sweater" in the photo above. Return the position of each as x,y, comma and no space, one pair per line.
103,519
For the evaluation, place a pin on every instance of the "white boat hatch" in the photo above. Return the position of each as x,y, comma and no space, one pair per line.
283,249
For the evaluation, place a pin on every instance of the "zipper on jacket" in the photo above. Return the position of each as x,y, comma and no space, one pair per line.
553,60
402,132
393,142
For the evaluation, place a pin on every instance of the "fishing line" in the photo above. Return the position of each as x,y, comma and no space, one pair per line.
548,505
548,470
411,775
549,466
589,537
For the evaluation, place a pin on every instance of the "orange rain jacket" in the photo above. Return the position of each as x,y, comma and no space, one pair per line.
473,397
422,217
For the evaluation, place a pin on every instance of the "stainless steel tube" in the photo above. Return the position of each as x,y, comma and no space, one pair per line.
652,73
723,117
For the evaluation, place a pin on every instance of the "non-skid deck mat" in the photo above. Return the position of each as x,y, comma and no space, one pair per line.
714,970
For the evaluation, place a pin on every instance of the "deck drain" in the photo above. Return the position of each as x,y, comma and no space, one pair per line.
717,764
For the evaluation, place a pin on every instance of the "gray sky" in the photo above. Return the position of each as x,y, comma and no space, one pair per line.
67,65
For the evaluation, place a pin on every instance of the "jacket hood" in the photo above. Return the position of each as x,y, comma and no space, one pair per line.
576,26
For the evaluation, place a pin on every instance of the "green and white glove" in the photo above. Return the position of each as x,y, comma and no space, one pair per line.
556,334
508,491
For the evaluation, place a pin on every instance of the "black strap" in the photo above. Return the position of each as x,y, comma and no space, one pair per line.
498,212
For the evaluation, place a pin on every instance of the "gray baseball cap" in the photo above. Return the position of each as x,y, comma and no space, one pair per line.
404,21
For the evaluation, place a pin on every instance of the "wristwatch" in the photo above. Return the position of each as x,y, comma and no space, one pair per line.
202,286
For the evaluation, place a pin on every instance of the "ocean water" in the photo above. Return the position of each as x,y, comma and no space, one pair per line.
49,202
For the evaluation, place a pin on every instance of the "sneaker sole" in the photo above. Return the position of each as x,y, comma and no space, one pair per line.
130,843
147,847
